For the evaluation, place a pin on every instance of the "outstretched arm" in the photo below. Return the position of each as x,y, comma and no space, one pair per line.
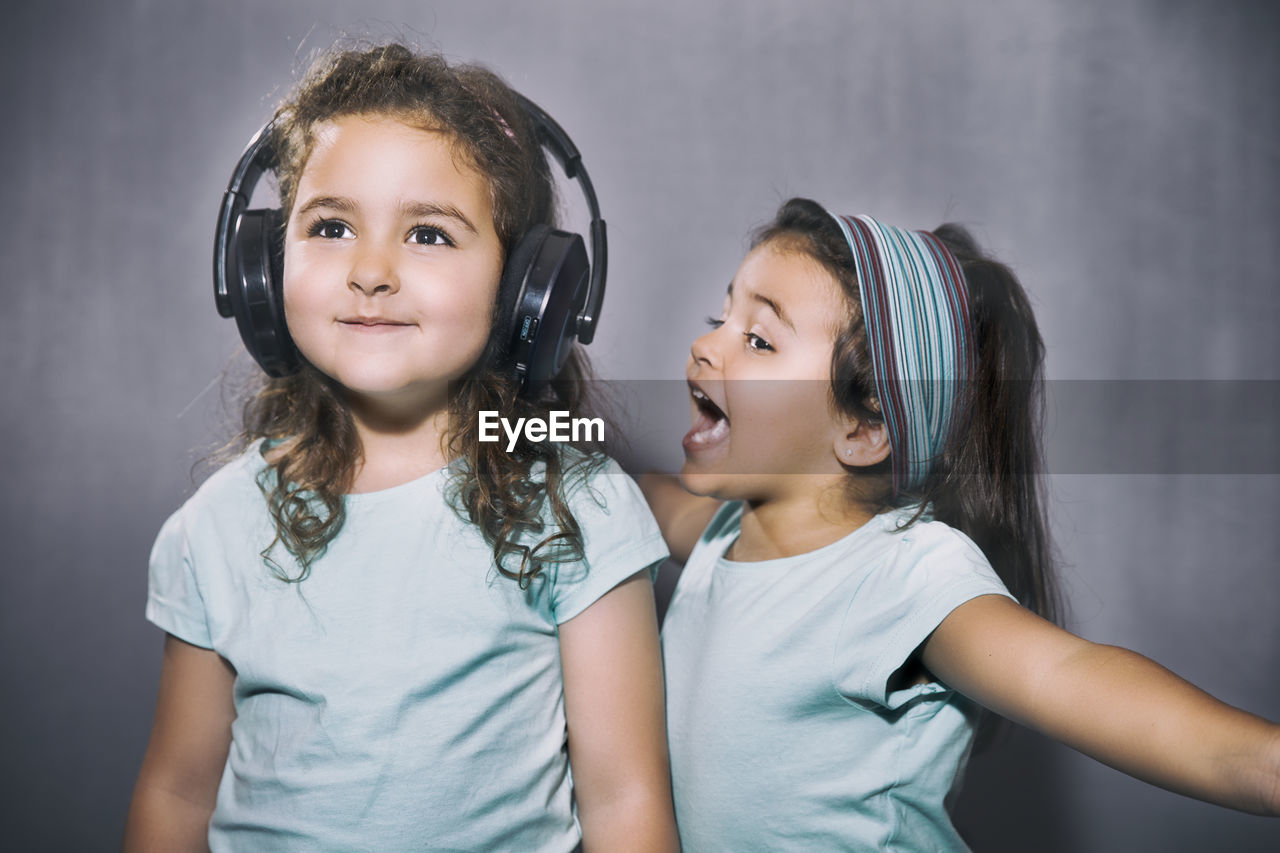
1110,703
178,783
614,708
681,515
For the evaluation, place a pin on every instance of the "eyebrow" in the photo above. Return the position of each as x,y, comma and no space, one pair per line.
409,209
343,205
425,209
771,304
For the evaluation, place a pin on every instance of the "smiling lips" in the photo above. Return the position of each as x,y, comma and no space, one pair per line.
372,324
710,424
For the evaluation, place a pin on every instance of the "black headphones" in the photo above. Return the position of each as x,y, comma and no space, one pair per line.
549,296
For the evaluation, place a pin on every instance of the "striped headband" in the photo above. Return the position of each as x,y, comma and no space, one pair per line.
915,306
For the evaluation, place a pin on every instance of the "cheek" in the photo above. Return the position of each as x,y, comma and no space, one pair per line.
298,280
460,308
469,301
788,412
301,302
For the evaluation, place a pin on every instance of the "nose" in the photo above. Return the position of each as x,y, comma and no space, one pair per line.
704,351
374,271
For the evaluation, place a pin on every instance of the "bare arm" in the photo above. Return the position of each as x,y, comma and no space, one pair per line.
613,698
178,783
681,515
1110,703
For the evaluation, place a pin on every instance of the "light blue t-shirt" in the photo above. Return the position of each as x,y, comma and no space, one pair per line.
404,696
785,732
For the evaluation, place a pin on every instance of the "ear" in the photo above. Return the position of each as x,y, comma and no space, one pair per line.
861,444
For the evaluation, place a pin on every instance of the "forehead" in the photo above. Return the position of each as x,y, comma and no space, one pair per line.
368,153
800,285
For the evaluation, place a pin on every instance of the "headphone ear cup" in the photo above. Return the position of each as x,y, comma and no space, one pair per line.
544,288
514,275
256,291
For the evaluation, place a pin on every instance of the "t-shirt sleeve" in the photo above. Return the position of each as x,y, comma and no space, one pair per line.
897,606
174,602
620,538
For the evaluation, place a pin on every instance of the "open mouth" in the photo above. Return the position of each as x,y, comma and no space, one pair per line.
710,423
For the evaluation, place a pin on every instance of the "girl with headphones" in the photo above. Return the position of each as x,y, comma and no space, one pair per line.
384,632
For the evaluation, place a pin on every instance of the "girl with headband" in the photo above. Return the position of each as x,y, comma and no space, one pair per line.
381,632
867,563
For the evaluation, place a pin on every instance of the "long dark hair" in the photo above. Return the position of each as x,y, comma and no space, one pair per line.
986,482
304,416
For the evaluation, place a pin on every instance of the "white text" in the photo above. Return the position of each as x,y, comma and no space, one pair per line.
561,427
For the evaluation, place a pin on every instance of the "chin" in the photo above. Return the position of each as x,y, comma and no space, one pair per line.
696,478
696,483
392,391
372,387
715,484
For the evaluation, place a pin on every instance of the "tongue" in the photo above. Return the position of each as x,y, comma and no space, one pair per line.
707,429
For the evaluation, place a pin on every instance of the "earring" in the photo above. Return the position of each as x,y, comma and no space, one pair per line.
848,451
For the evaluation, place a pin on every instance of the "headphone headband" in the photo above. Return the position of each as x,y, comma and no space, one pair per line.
555,140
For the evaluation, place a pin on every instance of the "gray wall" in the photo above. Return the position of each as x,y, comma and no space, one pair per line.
1122,154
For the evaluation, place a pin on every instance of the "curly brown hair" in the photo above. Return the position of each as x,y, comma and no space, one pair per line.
304,418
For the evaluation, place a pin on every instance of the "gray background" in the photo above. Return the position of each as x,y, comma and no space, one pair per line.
1122,155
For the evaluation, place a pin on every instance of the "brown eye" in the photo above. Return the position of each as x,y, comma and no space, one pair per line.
427,235
330,229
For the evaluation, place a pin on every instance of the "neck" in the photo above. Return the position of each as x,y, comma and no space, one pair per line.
398,445
797,525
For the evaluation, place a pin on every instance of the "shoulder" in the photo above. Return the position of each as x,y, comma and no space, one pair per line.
237,476
619,534
910,575
232,490
916,575
928,551
603,499
179,591
598,490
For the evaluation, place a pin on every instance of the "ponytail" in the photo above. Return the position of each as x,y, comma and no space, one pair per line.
988,482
